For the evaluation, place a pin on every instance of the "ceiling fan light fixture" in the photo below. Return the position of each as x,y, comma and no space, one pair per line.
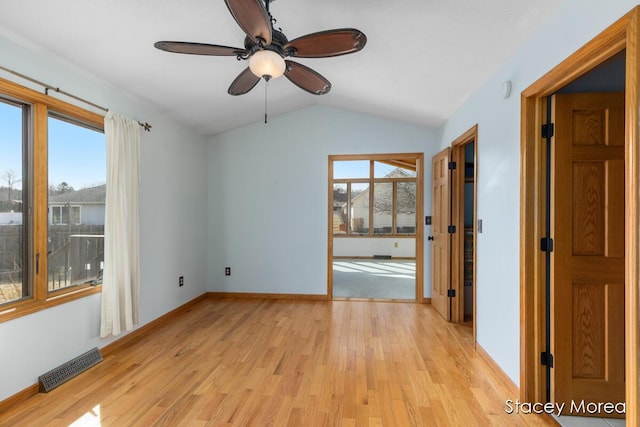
267,64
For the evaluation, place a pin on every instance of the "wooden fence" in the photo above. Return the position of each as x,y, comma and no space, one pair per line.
75,254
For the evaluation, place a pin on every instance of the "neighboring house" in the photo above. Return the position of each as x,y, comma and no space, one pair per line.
383,206
339,211
85,206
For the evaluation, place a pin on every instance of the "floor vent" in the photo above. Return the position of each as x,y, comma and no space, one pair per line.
68,370
382,257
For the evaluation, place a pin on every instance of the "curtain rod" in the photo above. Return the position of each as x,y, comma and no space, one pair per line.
47,88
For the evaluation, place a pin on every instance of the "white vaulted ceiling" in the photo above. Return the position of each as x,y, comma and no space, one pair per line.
422,60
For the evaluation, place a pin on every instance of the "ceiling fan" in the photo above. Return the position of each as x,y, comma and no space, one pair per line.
266,49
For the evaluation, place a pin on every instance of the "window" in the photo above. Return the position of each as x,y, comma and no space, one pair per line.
14,237
64,215
374,197
52,174
358,208
77,173
405,207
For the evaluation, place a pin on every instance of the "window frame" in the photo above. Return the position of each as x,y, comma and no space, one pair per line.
61,207
37,213
372,181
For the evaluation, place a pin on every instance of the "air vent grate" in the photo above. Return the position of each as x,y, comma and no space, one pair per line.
68,370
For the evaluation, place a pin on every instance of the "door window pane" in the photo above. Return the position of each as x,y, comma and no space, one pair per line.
340,209
382,170
359,208
383,208
406,208
393,169
77,195
343,169
13,228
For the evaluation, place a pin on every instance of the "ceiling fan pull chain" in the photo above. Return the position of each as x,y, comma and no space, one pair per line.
266,86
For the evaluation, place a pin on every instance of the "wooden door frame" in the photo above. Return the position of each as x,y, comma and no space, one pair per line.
623,34
419,239
457,215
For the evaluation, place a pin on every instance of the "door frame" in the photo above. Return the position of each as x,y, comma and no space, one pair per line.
457,217
623,34
419,238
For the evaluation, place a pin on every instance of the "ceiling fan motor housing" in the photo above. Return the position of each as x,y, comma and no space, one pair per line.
278,42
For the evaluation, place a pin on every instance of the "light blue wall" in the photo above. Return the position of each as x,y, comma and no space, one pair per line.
268,195
173,243
255,199
573,25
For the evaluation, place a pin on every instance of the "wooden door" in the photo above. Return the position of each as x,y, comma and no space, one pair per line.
441,243
588,255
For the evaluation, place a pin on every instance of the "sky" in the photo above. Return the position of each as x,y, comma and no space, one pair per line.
343,169
77,155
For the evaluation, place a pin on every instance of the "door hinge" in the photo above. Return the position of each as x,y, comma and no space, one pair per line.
548,130
546,359
546,244
451,293
451,229
452,165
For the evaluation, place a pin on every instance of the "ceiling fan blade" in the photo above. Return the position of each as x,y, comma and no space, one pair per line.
307,79
327,43
199,48
245,81
252,17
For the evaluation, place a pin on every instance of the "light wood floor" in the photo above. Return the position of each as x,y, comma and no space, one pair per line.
287,363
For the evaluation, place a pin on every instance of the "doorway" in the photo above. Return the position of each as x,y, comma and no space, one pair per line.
375,235
587,217
454,230
464,217
537,359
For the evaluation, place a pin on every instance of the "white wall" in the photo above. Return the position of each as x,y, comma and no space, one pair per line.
173,221
370,246
268,195
10,218
573,25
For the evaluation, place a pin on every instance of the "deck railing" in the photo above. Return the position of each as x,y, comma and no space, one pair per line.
78,261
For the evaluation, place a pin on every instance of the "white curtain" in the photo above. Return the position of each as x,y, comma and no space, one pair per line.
121,273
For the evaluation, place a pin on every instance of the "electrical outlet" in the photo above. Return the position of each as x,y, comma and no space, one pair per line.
181,281
395,244
227,271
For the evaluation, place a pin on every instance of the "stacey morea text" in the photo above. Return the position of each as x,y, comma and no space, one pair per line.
575,407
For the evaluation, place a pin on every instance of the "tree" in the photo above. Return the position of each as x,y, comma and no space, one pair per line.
406,198
405,194
61,188
9,177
